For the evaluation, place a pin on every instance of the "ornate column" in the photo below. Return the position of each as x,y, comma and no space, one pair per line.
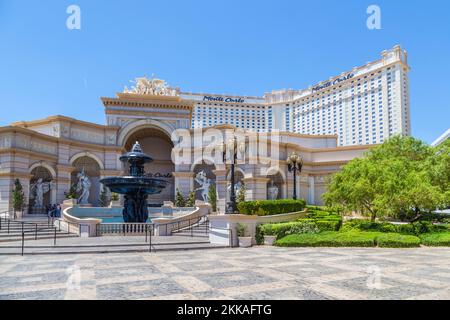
184,181
221,188
312,187
256,188
63,181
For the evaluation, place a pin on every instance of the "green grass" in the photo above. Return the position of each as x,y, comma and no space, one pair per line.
395,240
441,239
330,239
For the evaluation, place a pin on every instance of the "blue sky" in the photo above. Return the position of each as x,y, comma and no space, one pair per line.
235,47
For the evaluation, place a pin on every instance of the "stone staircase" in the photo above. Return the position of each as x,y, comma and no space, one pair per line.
34,230
198,230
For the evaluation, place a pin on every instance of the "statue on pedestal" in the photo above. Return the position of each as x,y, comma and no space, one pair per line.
204,183
273,191
83,188
37,192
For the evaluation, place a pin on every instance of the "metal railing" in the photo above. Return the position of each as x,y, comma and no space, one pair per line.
24,228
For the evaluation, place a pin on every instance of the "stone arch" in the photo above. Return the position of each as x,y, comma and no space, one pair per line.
157,143
88,155
92,168
239,176
277,179
209,169
135,126
45,172
45,165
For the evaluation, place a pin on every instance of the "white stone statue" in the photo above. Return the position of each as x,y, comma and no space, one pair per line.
204,183
83,188
37,192
153,86
273,191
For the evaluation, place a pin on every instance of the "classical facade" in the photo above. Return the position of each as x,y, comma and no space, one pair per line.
58,150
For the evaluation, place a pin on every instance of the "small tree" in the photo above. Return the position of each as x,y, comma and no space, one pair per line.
190,202
179,199
72,193
18,197
114,197
241,193
104,200
212,197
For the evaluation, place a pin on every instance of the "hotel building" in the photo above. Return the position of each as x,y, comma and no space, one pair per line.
365,105
327,124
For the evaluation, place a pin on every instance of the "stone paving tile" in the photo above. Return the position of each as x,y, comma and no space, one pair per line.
36,295
139,289
387,289
255,273
284,294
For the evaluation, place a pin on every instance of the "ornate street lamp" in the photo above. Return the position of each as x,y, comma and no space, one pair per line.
231,150
295,165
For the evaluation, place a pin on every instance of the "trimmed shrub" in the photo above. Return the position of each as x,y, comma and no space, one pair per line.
441,239
405,228
283,229
420,227
326,221
433,217
328,225
395,240
365,225
330,239
271,207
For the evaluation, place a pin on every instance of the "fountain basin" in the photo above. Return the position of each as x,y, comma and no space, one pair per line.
135,185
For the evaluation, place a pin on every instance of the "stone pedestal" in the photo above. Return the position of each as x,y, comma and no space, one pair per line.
223,228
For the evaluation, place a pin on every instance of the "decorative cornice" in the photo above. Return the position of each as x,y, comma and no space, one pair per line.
60,118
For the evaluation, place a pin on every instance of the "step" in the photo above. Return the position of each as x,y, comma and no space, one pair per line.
32,238
116,249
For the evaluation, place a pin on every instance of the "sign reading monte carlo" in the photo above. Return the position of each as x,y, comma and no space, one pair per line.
223,99
332,83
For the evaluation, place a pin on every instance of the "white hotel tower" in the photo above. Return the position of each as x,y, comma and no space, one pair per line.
365,105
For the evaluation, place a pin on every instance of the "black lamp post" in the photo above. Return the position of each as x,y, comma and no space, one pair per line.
232,149
295,165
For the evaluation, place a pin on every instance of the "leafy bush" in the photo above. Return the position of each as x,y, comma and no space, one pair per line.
271,207
405,228
241,230
420,227
329,239
395,240
325,220
441,239
433,217
365,225
328,225
283,229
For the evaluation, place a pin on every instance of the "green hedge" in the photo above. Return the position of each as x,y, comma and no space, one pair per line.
271,207
283,229
326,221
441,239
328,225
396,240
415,228
330,239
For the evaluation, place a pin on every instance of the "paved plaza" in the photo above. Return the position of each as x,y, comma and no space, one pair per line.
255,273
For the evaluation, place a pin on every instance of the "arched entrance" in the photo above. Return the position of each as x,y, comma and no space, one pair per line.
158,145
208,170
91,168
42,191
275,186
238,180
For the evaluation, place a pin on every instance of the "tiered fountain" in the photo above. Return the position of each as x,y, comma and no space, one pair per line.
136,187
